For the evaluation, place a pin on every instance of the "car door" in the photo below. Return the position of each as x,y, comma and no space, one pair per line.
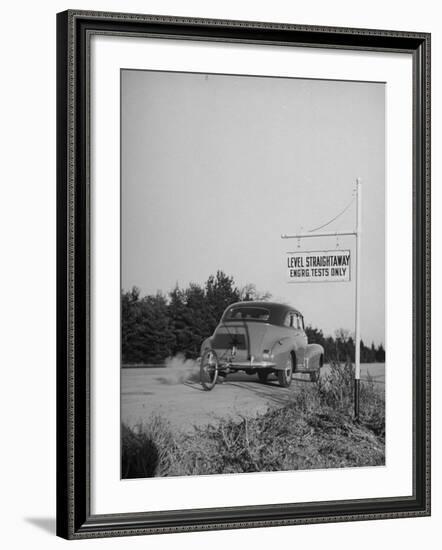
300,338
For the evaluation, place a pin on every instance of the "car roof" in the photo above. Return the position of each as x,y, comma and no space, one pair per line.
278,311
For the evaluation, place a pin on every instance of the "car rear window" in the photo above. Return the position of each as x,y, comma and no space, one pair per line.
242,313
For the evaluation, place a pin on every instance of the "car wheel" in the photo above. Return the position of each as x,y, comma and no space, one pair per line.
263,375
285,375
314,376
209,369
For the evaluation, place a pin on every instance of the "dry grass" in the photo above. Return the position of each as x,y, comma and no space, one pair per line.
315,430
147,449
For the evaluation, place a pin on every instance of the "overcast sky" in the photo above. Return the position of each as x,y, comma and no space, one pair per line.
216,167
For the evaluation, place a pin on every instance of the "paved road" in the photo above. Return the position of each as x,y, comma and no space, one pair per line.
170,393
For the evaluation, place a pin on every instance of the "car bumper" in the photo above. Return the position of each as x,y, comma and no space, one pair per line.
252,364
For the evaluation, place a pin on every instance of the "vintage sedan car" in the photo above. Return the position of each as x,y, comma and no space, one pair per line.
259,338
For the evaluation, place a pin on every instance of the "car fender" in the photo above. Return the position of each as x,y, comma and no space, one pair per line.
281,350
207,344
314,354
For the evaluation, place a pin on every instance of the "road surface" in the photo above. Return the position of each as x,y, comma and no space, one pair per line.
169,392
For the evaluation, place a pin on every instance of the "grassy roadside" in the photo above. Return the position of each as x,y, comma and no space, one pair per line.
315,430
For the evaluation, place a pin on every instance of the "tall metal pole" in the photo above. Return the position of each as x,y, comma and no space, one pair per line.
358,234
358,295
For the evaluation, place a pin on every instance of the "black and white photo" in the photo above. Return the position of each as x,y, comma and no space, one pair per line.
239,277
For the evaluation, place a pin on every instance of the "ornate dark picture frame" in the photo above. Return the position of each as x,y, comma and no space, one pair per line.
74,518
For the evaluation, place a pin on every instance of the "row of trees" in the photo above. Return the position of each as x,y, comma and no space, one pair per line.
158,326
341,347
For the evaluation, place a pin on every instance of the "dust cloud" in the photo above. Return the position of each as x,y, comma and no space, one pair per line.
179,370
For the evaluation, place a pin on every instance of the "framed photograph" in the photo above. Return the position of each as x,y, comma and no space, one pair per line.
243,274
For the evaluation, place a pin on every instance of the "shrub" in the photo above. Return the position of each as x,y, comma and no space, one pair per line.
147,449
336,391
336,387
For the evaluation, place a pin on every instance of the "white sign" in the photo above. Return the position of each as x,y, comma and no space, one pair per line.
318,266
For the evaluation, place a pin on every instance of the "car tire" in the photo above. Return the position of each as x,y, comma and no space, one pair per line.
263,375
285,375
209,369
314,376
